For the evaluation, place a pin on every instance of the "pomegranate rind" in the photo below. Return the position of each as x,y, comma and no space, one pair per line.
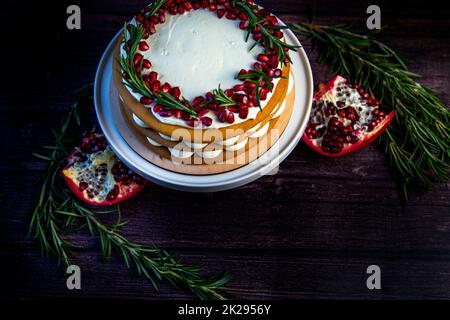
74,187
364,141
125,191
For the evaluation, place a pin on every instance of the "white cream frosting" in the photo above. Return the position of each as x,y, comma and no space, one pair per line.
238,146
153,142
167,137
209,154
228,142
139,122
197,52
261,132
180,153
193,145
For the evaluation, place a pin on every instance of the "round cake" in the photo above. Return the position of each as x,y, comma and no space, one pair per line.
205,82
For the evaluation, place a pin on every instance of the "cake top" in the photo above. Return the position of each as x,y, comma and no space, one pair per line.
197,52
199,62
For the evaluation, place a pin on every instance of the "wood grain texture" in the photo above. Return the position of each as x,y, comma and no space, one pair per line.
308,232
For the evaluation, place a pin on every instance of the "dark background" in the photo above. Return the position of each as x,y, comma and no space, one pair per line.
308,232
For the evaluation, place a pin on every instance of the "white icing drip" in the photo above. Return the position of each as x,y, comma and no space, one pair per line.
237,147
193,145
139,122
228,142
261,132
167,137
153,142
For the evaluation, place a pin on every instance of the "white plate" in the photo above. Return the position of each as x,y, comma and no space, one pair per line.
233,179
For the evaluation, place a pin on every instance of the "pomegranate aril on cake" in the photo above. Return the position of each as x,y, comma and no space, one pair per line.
96,176
344,119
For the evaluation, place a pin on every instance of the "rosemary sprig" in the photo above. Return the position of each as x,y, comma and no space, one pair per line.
58,213
268,40
417,142
220,98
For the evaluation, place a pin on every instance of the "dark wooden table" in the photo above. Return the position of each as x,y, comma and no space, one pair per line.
308,232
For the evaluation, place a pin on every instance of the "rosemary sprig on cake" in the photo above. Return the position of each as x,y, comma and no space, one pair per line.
59,214
418,141
258,22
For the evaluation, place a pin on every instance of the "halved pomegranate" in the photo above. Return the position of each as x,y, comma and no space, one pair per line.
344,119
96,176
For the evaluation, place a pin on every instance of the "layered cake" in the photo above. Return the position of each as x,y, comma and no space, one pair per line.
205,82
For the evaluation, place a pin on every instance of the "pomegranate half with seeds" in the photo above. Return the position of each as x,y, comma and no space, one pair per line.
96,176
344,119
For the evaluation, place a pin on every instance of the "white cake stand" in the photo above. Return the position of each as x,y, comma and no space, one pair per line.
268,162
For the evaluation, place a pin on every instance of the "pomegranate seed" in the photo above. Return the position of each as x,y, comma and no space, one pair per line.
222,115
156,85
213,7
238,87
234,109
83,186
143,46
140,17
146,100
166,113
243,114
243,16
209,96
202,112
231,16
166,88
146,64
230,118
176,93
178,114
229,92
206,121
137,58
153,76
157,108
187,6
181,10
277,73
221,13
243,25
193,123
263,58
198,101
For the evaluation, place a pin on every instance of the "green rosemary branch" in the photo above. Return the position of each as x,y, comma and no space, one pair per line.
222,99
417,142
268,40
59,214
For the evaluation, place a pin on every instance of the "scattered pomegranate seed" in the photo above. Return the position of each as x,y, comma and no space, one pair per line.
146,101
165,88
213,7
206,121
193,123
176,93
146,64
143,46
166,113
262,58
221,13
230,118
243,114
137,58
157,108
153,76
